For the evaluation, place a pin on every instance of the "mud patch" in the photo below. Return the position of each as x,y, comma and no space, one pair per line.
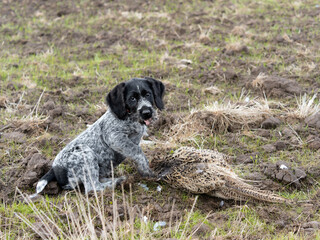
276,86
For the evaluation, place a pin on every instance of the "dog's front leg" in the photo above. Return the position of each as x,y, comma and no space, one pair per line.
123,145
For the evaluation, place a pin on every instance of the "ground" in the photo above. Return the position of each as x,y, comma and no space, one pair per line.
241,77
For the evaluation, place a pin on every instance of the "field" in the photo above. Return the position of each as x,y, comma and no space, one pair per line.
241,77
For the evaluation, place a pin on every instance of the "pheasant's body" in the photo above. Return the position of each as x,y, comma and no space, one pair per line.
207,172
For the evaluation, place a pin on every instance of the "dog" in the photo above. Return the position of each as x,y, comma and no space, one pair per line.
91,156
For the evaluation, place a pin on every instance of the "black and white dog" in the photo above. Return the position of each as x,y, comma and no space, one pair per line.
89,158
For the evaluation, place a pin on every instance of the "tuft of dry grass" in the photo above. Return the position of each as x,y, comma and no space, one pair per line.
3,102
258,82
306,106
86,217
213,90
239,30
33,122
174,62
236,47
220,117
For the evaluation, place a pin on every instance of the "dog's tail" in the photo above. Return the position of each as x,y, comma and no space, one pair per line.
48,177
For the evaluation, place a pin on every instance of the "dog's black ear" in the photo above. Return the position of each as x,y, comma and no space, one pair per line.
158,91
116,102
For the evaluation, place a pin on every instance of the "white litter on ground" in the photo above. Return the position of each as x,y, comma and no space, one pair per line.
282,166
159,224
144,186
159,188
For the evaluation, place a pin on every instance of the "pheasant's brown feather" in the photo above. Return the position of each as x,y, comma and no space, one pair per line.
207,172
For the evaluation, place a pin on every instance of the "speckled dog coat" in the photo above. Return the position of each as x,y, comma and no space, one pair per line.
89,158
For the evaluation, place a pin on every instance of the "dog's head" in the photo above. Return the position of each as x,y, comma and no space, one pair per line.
136,99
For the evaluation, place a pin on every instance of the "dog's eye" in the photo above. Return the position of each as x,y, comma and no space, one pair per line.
147,95
132,99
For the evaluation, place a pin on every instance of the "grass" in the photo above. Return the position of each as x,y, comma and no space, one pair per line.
72,53
79,216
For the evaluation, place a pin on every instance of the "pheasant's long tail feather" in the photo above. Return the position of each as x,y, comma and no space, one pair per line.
251,193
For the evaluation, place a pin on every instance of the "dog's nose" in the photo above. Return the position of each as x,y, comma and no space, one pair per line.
146,113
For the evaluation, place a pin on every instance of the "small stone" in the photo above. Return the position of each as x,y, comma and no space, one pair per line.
270,123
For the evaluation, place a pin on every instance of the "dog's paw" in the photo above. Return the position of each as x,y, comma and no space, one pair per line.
149,175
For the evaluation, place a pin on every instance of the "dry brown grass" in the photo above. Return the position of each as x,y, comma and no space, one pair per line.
258,82
239,30
306,106
236,47
32,122
212,90
3,101
87,217
219,117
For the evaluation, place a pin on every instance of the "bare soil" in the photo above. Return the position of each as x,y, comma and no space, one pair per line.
70,101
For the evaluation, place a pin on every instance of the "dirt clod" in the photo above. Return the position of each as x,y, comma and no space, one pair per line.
270,123
313,225
283,171
201,229
49,105
263,133
247,158
56,112
313,121
280,145
36,167
313,142
269,148
277,86
18,137
52,188
236,48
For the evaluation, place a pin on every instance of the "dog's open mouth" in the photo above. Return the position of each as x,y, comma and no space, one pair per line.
148,121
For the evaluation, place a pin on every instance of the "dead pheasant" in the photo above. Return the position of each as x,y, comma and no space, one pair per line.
207,172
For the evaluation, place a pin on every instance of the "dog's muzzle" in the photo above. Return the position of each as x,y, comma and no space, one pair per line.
146,114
